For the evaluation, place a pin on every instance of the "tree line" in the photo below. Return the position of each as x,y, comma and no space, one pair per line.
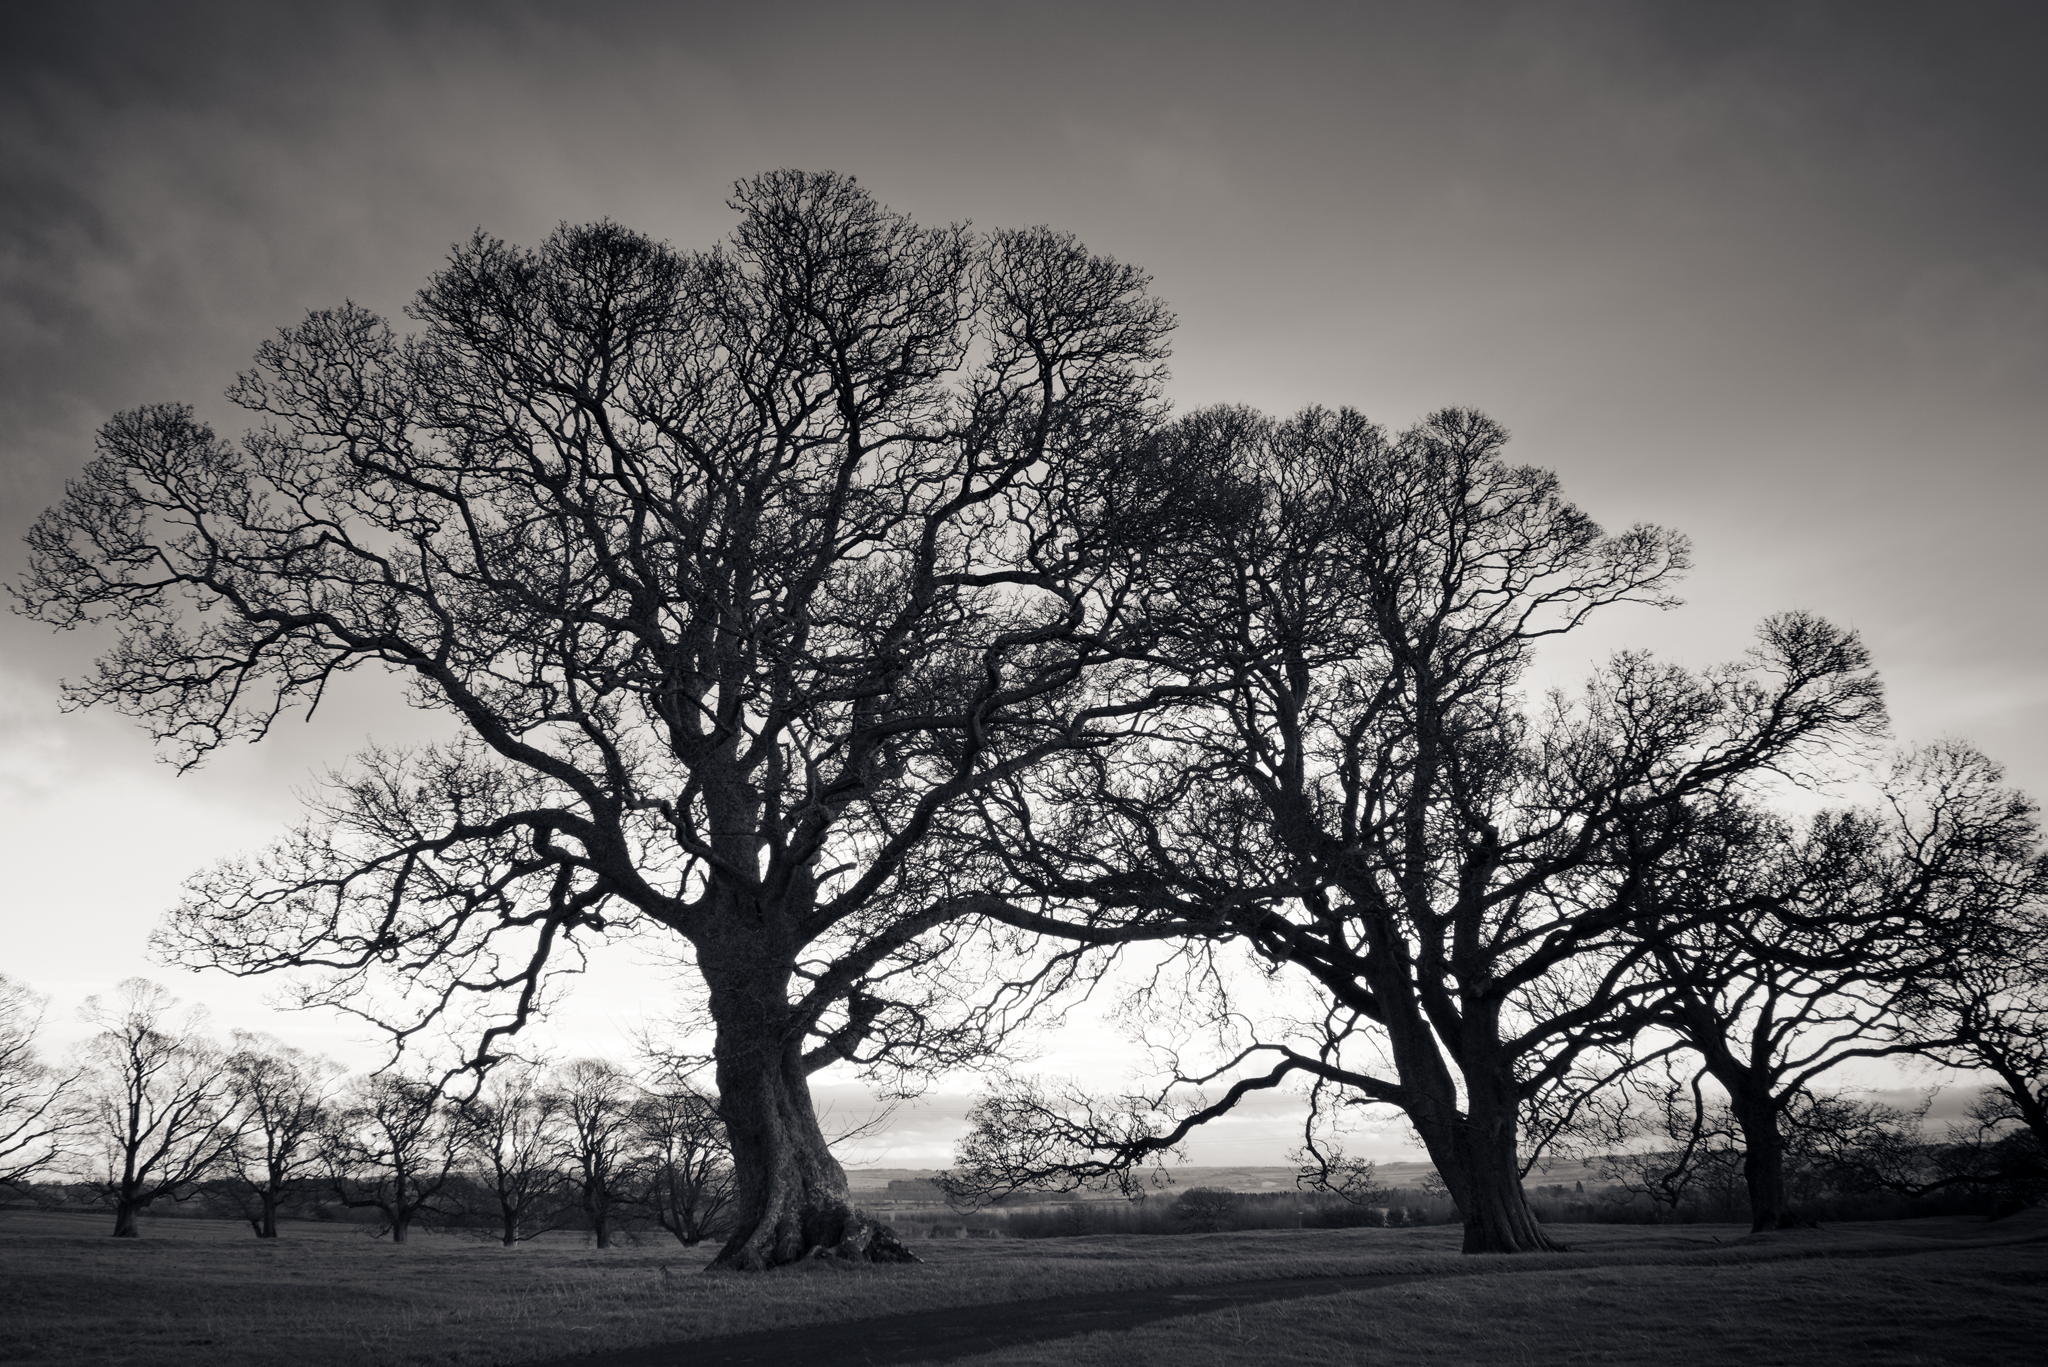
844,605
152,1109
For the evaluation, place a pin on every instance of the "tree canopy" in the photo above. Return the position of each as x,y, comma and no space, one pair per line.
1358,788
740,571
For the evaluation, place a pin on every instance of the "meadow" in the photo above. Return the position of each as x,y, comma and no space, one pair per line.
1944,1290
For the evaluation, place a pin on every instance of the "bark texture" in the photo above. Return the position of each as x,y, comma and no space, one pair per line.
1477,1155
792,1197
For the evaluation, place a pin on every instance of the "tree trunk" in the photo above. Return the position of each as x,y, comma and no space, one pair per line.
1763,1164
266,1227
1475,1150
792,1198
125,1211
1478,1158
400,1224
510,1218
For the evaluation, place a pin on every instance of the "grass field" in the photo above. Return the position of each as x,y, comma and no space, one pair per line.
1962,1308
204,1292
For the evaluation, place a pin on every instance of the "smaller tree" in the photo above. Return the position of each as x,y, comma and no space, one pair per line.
598,1102
162,1102
1990,1155
391,1147
1854,1146
1842,1143
1787,952
1204,1210
512,1140
684,1163
282,1094
39,1105
1984,1007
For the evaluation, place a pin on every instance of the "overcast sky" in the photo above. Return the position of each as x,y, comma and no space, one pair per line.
1773,274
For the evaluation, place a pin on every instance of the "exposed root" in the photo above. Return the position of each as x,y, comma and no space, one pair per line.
838,1233
862,1240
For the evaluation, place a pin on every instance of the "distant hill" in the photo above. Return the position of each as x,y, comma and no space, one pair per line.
1249,1178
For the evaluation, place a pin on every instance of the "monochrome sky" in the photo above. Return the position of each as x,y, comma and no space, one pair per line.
1775,274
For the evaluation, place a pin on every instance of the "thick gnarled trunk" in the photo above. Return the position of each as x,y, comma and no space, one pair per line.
1475,1148
1477,1156
791,1195
265,1222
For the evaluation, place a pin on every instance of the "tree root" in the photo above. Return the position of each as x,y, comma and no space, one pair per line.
862,1240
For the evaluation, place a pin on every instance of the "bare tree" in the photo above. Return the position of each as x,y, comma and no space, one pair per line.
1362,794
39,1104
599,1104
1788,951
391,1145
741,571
282,1094
684,1164
512,1142
162,1099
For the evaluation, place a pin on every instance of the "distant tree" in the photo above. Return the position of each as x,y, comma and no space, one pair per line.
1787,951
391,1145
598,1103
282,1094
1840,1142
684,1164
1990,1154
1204,1210
162,1099
741,571
40,1110
1360,791
512,1140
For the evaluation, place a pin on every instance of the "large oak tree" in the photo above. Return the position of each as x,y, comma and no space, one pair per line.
739,572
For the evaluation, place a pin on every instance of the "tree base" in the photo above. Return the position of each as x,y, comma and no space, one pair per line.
838,1233
861,1240
1479,1239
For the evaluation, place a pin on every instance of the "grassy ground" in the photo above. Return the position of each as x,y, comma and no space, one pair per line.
193,1292
1962,1308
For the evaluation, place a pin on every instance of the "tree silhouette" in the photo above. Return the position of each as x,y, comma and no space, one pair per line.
1359,790
684,1166
597,1102
40,1109
1785,951
391,1144
282,1094
162,1100
512,1137
741,571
